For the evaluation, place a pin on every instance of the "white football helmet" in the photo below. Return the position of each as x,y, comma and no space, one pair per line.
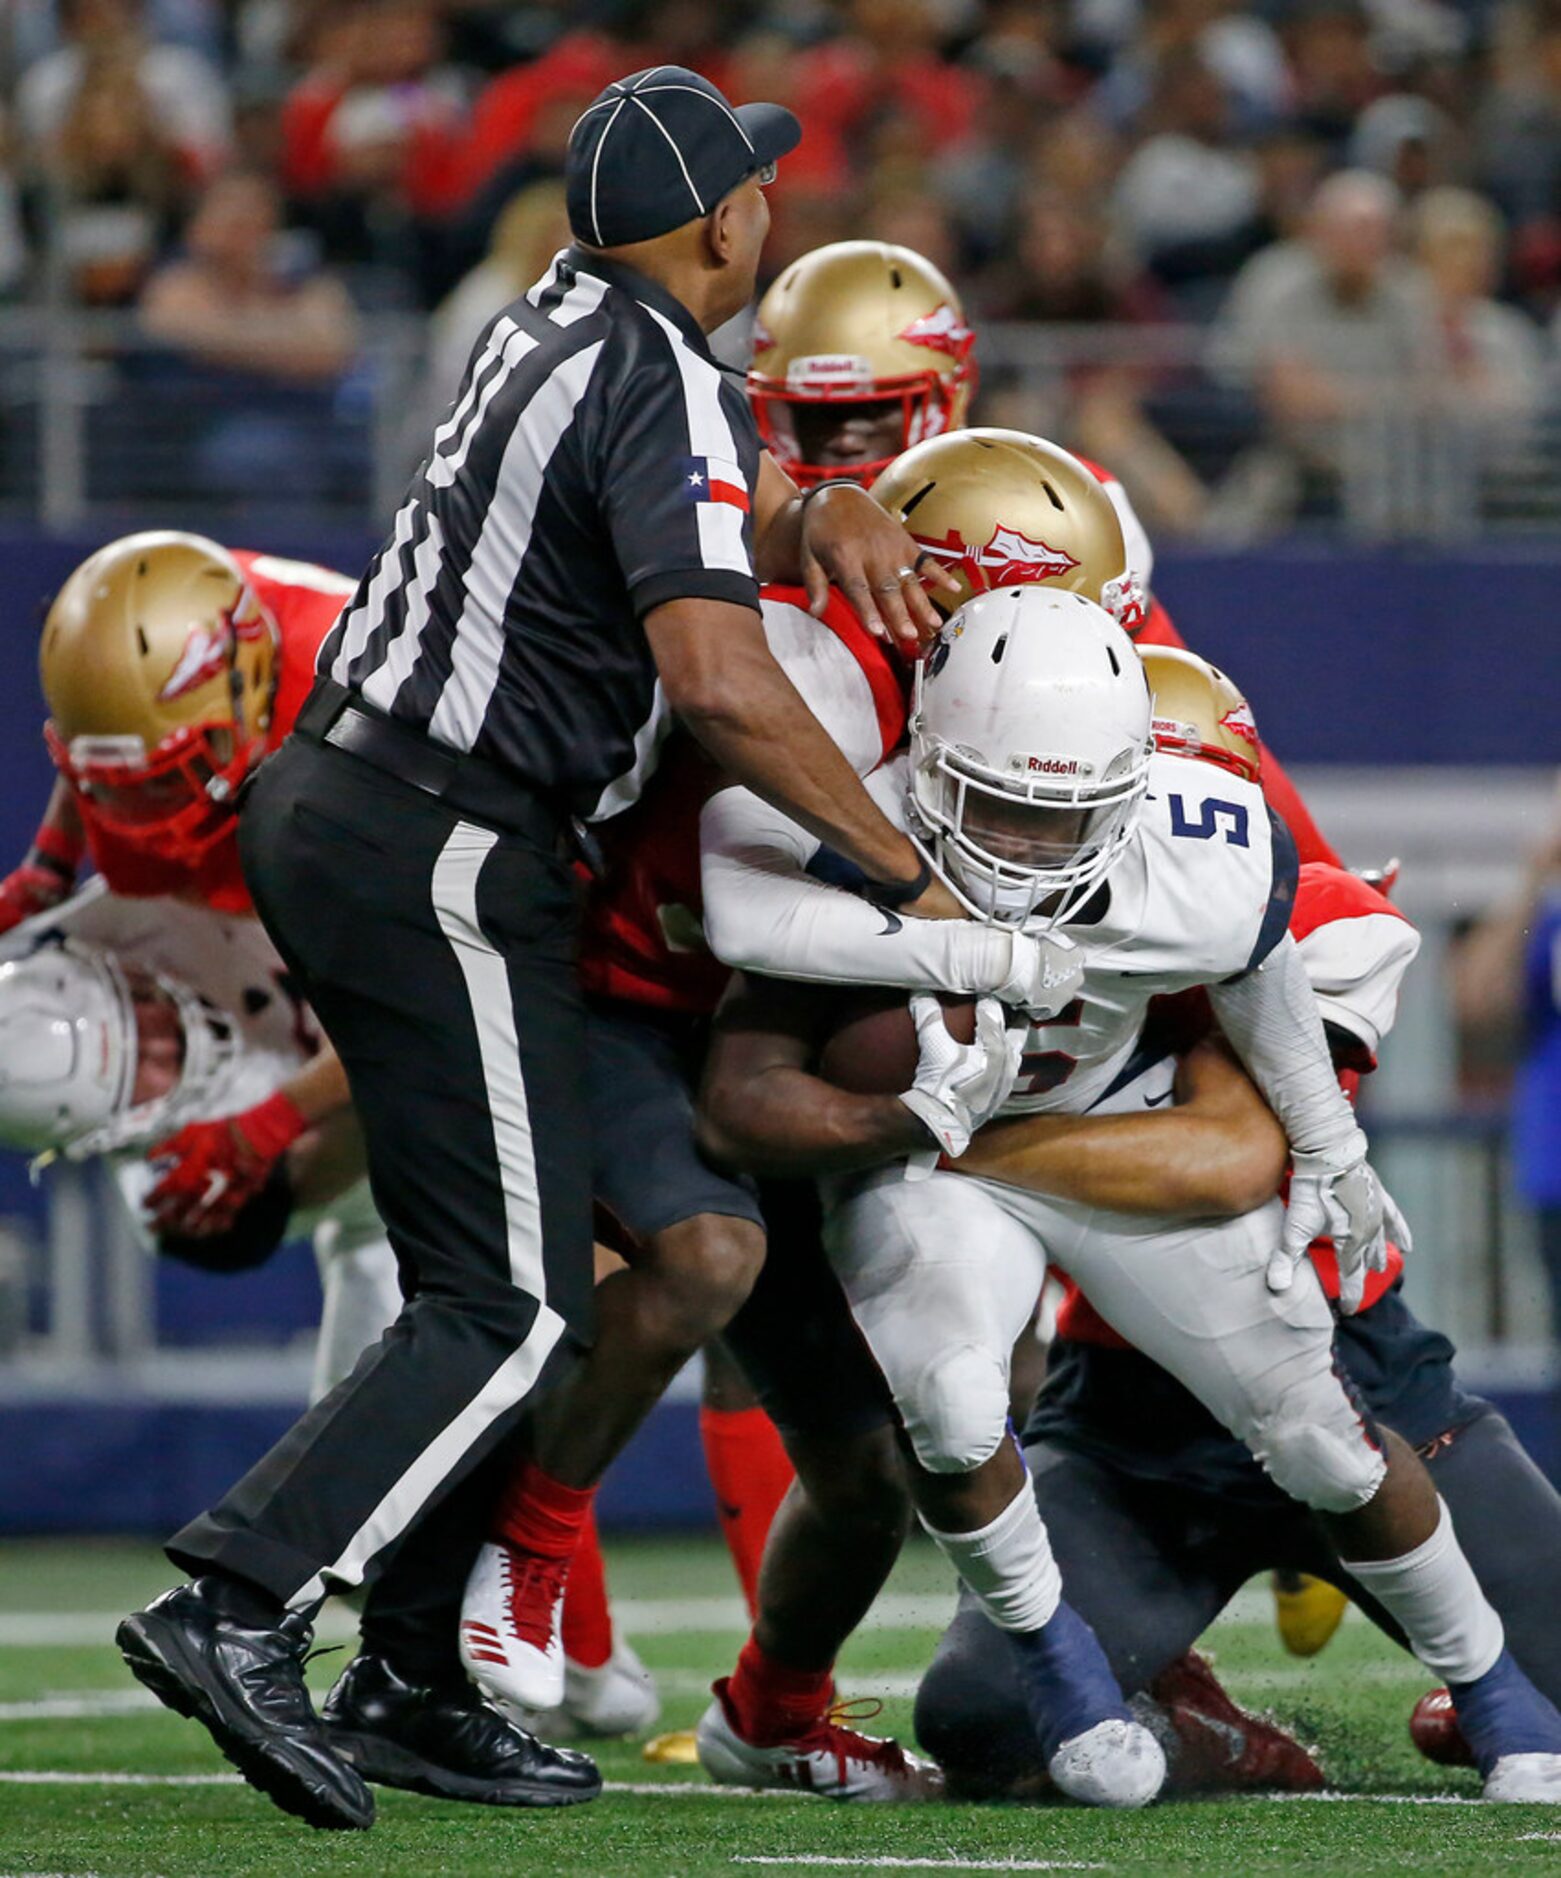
1030,748
70,1052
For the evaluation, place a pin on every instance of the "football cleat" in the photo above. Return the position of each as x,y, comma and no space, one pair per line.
828,1758
1115,1763
510,1640
1525,1779
678,1748
1214,1746
617,1698
1433,1727
1308,1611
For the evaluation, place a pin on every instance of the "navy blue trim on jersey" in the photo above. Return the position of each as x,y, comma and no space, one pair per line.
1281,893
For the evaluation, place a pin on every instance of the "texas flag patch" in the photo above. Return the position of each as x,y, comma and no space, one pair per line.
714,479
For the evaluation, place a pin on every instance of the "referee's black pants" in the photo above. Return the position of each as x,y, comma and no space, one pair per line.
439,955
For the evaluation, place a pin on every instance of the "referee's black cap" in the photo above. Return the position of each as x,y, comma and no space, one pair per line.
660,148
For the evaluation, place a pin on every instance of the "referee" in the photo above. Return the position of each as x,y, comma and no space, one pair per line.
576,563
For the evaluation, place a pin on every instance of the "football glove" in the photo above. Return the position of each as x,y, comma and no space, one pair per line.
1337,1194
208,1172
959,1086
1045,975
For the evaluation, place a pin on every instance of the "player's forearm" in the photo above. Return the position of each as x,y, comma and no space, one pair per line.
764,913
319,1090
1271,1020
787,1123
324,1163
1174,1164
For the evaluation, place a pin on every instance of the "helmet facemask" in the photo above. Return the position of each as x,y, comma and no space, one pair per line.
1020,850
797,420
177,803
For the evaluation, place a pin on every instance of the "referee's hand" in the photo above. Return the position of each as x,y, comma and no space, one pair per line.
850,543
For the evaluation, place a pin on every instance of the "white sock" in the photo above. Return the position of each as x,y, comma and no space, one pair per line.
1008,1565
1437,1600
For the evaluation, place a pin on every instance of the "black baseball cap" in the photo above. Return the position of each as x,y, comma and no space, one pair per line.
660,148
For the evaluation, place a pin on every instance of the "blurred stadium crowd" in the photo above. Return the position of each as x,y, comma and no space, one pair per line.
1299,257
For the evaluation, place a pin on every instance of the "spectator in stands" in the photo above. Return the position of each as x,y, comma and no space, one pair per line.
1493,355
13,239
1332,72
185,95
1408,140
234,303
1188,198
1335,336
260,342
373,139
113,186
1507,980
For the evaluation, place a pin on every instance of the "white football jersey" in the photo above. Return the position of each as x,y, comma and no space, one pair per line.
1193,900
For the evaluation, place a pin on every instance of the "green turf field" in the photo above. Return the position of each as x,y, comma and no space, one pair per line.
94,1779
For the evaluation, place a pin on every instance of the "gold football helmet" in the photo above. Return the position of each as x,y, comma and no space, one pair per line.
861,350
1198,712
996,507
159,668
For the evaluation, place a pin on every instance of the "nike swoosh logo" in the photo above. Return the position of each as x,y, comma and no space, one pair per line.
892,922
1154,1102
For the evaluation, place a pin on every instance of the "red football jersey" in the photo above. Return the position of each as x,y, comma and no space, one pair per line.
1338,907
642,937
304,600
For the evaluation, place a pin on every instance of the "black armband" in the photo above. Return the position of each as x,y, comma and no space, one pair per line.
829,482
893,893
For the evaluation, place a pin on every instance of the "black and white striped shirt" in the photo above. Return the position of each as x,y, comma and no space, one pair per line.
594,464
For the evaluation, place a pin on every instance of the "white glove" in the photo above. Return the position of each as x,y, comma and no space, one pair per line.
959,1086
1045,975
1338,1194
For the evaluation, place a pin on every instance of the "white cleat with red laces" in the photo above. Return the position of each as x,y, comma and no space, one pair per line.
510,1639
829,1759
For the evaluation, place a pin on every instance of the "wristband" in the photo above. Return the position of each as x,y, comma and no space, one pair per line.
58,851
893,893
272,1126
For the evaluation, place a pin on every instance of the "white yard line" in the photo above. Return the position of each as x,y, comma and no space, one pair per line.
639,1617
886,1863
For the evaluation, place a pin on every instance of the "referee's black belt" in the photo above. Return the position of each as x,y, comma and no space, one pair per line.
468,784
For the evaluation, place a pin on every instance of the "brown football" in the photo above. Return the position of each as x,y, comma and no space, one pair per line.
872,1049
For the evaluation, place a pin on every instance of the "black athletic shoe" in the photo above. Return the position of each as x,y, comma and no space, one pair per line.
245,1685
448,1742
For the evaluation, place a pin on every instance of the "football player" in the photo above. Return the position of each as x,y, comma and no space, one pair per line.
1126,1464
1028,783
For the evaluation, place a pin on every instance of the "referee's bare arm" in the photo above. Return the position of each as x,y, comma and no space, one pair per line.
720,677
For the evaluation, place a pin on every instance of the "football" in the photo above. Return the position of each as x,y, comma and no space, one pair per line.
872,1050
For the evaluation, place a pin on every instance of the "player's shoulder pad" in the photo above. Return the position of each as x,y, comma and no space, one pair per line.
1325,892
846,677
278,570
1207,889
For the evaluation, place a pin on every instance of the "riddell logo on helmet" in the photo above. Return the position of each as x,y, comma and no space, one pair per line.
942,330
1029,765
829,368
1011,557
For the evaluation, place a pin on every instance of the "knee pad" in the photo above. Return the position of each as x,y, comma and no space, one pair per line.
1320,1453
957,1413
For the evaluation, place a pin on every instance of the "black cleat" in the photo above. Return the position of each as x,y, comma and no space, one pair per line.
245,1686
448,1742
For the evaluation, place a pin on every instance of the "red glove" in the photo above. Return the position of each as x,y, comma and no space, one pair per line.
209,1171
43,879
